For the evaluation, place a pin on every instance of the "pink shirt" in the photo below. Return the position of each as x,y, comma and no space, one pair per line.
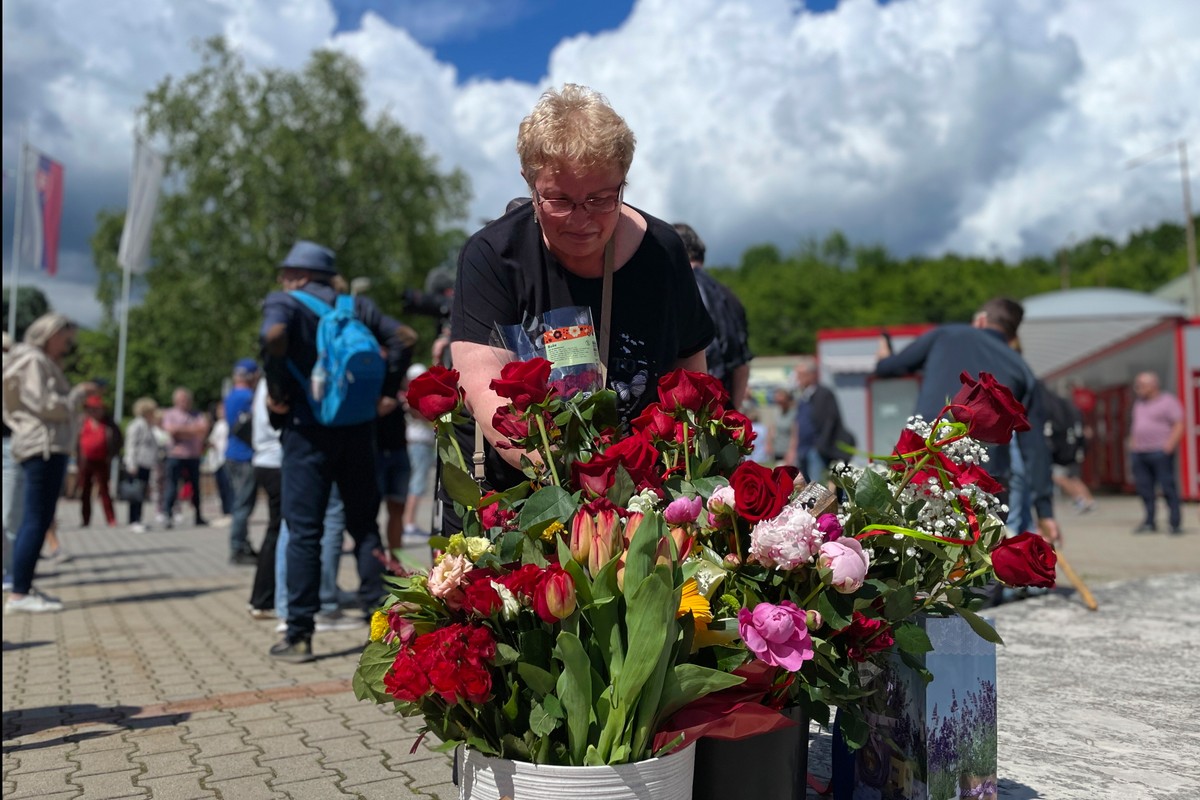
183,445
1153,420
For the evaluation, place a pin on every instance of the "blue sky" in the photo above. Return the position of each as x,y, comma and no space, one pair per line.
503,38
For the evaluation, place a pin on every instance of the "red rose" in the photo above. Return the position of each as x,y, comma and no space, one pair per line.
866,636
680,389
406,681
639,457
481,645
1025,560
715,395
760,493
655,422
739,426
494,515
510,425
988,408
523,581
434,393
596,475
524,383
474,684
975,474
482,599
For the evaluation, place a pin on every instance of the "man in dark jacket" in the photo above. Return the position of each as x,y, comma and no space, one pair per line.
985,345
819,436
316,456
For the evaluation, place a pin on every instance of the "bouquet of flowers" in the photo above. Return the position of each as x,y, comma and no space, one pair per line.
642,588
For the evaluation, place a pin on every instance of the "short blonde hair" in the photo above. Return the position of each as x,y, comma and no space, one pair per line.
574,127
143,406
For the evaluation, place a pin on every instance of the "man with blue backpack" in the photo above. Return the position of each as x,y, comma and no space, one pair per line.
327,357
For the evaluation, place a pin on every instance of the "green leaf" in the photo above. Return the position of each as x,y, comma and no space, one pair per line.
506,654
854,728
689,682
622,488
460,486
872,493
536,678
979,625
545,506
837,609
911,638
639,558
376,659
541,722
575,692
900,601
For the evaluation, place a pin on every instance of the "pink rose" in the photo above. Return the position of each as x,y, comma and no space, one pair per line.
776,634
723,500
847,563
448,574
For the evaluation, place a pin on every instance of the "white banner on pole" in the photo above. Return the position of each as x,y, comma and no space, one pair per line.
148,167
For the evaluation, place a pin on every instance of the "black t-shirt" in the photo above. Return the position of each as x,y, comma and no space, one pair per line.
506,275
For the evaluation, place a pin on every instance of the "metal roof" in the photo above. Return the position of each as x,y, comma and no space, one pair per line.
1061,328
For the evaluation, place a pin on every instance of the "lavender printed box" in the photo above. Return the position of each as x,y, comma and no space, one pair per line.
934,741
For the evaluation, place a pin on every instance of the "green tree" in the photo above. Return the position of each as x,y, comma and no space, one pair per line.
257,160
31,304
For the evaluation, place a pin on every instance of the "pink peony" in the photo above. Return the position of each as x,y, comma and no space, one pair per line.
683,510
847,562
776,634
828,525
787,541
723,501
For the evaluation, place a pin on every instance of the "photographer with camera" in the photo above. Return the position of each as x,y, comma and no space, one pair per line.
435,301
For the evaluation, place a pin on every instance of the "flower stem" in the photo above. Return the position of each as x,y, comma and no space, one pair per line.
549,455
687,458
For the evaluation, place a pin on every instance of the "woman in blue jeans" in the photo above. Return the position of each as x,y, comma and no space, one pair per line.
39,408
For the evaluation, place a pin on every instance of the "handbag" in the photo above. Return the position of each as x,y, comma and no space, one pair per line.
131,489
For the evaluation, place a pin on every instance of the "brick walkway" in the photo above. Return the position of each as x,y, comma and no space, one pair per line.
154,682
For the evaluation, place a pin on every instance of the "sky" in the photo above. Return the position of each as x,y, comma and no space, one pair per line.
990,127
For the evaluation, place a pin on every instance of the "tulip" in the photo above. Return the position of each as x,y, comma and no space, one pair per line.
631,525
555,597
683,542
583,528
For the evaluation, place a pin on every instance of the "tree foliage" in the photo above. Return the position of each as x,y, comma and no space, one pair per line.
257,160
834,284
31,304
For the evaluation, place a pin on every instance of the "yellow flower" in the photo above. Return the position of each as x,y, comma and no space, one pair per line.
695,603
457,546
554,529
476,547
379,626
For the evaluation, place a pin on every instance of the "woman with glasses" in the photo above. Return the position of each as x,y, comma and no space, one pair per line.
575,152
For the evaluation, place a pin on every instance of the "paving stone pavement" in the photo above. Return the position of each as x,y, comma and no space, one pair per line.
154,682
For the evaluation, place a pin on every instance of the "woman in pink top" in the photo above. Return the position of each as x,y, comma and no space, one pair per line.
1154,435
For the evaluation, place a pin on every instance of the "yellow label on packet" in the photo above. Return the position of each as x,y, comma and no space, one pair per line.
572,346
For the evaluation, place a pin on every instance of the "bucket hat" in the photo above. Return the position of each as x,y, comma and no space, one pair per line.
309,255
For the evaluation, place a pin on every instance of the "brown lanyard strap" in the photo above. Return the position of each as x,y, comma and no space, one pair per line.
606,308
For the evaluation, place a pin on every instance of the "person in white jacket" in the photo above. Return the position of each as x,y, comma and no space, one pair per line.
142,455
40,408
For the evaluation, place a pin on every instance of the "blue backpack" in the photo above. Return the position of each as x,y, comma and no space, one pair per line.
348,375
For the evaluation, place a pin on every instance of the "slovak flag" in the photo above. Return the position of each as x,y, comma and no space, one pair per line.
42,211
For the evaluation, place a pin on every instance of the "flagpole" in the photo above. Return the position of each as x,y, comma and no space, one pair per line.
122,338
14,279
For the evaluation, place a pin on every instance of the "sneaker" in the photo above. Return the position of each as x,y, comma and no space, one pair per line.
413,532
261,613
59,556
32,603
137,527
200,522
1176,530
1146,527
245,558
298,652
337,621
281,627
8,583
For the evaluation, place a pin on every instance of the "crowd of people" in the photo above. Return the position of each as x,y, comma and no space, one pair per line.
318,424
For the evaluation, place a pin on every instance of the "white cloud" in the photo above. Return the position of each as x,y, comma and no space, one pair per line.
988,126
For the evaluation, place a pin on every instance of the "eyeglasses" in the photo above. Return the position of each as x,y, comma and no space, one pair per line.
564,207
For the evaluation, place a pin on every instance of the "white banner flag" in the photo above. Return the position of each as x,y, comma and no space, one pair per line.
139,216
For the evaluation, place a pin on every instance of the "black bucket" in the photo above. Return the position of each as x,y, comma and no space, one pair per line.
771,766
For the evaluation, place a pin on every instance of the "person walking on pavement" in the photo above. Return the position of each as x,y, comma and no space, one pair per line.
142,454
239,455
13,499
422,453
315,455
944,353
267,460
728,354
818,434
1154,433
40,407
98,443
187,430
